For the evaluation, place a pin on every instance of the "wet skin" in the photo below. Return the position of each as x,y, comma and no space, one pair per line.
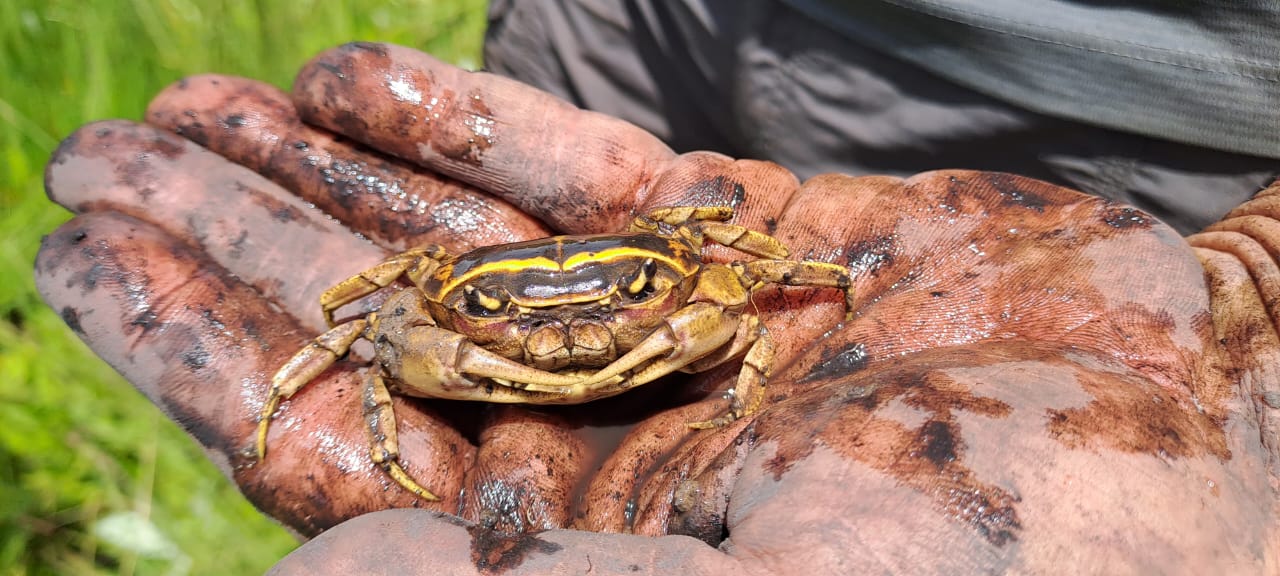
1033,378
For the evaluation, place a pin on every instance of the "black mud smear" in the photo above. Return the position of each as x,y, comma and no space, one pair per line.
837,362
495,552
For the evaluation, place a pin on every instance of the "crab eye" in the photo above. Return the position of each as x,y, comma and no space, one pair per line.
482,303
641,284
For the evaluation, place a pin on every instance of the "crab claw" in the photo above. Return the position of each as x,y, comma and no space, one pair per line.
434,359
657,344
689,334
476,361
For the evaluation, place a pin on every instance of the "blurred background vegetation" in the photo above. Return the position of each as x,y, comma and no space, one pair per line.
93,480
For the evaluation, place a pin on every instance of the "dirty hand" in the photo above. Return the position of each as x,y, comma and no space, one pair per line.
1032,377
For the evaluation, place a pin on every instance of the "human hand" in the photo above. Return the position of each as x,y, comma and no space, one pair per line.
1032,376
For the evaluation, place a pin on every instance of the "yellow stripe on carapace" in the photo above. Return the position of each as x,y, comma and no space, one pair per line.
609,255
623,252
500,266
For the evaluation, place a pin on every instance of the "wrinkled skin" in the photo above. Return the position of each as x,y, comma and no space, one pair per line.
1034,379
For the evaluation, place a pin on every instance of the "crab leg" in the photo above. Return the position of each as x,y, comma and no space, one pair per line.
709,221
384,444
680,215
304,366
748,391
798,273
744,239
378,277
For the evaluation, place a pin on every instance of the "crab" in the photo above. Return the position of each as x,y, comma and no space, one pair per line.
561,320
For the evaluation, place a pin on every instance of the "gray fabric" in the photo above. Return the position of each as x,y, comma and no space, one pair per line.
760,79
1203,72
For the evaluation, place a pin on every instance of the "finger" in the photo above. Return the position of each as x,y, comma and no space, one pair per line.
632,491
399,541
757,191
527,466
579,171
202,346
286,250
254,124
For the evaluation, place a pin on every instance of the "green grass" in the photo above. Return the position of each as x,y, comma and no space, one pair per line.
93,480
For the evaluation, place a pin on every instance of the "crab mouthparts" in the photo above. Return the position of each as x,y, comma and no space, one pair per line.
581,343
